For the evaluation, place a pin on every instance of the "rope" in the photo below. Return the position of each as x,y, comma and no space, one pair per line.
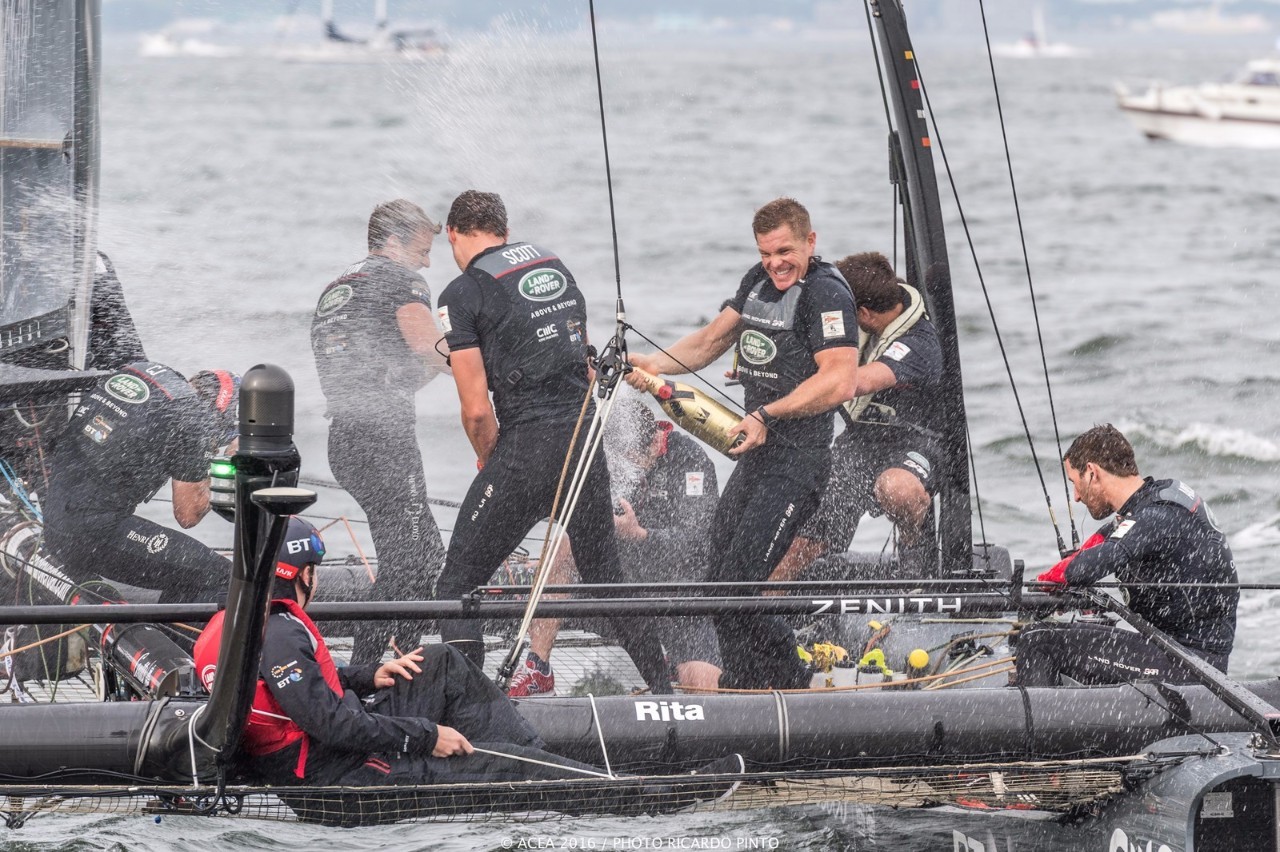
536,762
555,534
16,651
595,717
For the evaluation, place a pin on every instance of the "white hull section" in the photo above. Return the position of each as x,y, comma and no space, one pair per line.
1199,130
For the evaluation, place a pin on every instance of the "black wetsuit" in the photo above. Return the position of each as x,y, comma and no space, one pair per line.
137,429
897,430
1164,533
369,376
775,487
675,502
520,306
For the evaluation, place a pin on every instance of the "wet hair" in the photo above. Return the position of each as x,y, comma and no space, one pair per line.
399,218
779,212
875,285
1106,447
475,211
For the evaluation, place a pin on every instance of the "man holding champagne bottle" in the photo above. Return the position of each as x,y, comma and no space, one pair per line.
793,321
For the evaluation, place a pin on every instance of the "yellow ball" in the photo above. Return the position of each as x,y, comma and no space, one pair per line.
918,659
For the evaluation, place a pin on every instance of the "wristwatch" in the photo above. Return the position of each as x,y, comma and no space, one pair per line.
765,417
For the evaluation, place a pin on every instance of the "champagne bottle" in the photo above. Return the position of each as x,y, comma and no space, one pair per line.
695,412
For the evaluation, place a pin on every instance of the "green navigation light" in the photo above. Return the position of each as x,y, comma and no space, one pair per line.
222,470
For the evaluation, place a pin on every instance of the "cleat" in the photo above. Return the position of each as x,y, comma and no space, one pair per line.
532,682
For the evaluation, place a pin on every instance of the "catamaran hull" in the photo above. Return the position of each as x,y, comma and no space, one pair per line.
855,728
1215,802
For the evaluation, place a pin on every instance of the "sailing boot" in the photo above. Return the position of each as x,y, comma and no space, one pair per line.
534,679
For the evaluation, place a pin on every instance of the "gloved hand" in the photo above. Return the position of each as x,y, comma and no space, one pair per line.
1058,573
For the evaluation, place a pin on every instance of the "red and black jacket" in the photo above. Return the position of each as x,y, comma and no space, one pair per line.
307,721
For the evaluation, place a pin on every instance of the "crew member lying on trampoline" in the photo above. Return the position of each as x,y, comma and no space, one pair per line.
431,717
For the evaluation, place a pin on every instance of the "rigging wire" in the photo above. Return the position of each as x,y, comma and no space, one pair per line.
608,168
609,369
888,121
1026,262
986,295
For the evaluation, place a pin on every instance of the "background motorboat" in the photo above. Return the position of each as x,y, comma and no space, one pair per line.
1243,112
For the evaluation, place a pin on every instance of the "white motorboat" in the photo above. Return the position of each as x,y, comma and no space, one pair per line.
1243,112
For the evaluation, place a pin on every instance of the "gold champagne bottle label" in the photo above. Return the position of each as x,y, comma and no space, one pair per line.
694,411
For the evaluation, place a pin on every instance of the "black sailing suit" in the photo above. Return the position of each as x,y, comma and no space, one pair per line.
1163,533
898,430
522,308
369,376
776,486
139,427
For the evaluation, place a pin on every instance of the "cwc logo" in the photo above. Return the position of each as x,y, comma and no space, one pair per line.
334,299
756,348
128,388
543,285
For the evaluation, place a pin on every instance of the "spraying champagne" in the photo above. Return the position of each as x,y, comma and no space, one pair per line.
694,411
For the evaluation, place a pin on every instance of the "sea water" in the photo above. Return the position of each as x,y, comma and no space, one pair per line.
233,190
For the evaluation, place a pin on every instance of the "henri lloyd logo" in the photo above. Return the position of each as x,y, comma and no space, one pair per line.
128,388
334,299
756,348
543,285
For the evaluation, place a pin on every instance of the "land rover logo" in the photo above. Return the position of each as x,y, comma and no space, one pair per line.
543,285
128,388
334,299
756,348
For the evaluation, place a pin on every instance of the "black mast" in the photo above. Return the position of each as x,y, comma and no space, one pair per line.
928,271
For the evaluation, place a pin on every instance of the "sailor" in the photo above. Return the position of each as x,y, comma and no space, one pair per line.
663,533
516,325
141,426
412,720
885,458
1162,533
793,320
376,343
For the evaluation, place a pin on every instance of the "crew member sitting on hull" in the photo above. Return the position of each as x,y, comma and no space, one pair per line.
663,533
376,344
516,325
428,717
1162,532
886,455
138,428
793,321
